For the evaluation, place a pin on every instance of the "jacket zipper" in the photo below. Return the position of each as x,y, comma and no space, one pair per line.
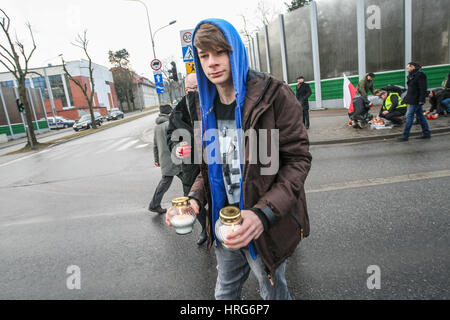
269,276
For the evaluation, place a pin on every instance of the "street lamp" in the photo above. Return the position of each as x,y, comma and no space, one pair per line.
152,35
150,27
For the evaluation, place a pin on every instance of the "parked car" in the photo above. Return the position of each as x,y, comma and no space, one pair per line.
66,122
85,121
115,115
52,124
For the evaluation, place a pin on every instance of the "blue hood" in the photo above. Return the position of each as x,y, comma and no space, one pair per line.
207,92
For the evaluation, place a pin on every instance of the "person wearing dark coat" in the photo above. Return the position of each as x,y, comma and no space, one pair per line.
360,113
415,98
302,93
163,159
184,117
438,98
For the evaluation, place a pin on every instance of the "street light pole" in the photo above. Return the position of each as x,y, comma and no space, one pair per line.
149,26
153,34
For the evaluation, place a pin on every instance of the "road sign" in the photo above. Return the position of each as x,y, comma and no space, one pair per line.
159,83
186,37
156,64
190,67
188,54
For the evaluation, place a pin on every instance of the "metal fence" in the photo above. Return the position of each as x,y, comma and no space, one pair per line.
329,38
11,121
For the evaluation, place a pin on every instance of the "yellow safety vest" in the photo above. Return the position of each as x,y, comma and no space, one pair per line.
388,103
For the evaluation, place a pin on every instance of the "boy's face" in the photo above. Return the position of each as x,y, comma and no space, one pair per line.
216,66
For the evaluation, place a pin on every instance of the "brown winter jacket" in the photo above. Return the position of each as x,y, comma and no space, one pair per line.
270,104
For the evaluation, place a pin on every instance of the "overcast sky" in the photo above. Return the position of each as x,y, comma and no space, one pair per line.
116,24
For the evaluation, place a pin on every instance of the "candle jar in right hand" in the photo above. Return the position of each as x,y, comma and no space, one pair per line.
230,220
181,215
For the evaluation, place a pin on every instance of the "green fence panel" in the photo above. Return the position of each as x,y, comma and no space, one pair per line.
436,75
18,128
5,130
43,124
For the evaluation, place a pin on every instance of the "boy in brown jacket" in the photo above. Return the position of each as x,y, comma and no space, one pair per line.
270,193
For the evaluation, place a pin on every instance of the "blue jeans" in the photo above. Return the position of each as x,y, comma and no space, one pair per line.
418,111
446,103
233,270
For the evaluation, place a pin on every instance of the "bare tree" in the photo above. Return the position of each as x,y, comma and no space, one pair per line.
247,28
82,43
265,13
16,60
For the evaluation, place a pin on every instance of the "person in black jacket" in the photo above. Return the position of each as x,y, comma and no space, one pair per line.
302,93
415,98
184,117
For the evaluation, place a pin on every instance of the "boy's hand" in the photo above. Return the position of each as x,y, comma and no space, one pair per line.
250,229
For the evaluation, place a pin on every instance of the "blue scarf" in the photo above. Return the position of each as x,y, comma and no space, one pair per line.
207,92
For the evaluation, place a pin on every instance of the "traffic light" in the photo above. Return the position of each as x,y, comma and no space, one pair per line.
19,105
173,71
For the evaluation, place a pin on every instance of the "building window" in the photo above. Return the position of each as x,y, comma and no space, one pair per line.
9,83
39,83
58,89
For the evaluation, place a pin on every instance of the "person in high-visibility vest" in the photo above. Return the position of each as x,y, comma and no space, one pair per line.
393,107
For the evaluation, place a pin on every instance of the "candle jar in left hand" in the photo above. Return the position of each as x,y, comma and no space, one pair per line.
181,215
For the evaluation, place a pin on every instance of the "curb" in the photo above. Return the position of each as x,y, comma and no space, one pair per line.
62,140
373,138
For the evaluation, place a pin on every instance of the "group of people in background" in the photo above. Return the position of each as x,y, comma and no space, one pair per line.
395,108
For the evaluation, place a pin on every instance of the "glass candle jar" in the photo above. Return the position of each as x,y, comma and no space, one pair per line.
181,215
230,220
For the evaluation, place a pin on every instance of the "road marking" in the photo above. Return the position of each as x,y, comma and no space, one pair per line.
380,181
141,146
113,145
127,145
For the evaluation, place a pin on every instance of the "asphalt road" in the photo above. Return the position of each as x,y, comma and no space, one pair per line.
84,203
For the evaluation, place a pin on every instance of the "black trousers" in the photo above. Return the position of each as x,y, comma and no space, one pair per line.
161,189
306,118
394,117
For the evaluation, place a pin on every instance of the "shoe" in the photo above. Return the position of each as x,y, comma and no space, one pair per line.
157,209
202,238
402,139
424,137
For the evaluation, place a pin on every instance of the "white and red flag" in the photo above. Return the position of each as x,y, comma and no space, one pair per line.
349,93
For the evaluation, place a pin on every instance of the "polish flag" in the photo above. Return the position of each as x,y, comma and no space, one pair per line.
349,93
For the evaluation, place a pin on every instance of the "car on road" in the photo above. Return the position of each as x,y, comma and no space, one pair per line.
115,115
66,122
85,121
52,124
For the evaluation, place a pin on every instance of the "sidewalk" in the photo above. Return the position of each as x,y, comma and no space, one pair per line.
331,126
